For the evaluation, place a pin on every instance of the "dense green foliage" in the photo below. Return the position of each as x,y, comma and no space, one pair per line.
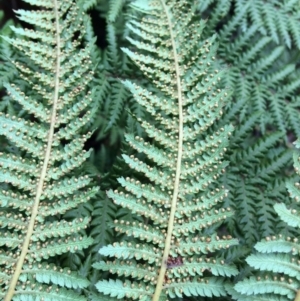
277,257
156,164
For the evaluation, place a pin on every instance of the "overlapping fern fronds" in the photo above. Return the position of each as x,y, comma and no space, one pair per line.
174,168
43,180
275,18
277,275
264,77
263,71
115,66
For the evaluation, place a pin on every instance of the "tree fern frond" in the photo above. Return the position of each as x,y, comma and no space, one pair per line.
103,215
252,154
260,63
247,211
48,274
175,164
244,128
117,67
277,258
267,171
219,11
252,44
119,95
276,19
7,69
203,5
255,187
267,219
45,180
292,115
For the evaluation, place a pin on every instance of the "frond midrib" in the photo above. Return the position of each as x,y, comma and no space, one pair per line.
166,252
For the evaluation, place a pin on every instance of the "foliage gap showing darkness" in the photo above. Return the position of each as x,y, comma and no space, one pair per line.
9,7
99,26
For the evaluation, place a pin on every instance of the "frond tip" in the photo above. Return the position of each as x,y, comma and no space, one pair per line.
43,180
175,167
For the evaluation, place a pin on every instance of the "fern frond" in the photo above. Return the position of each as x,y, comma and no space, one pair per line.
255,183
174,166
103,215
277,258
220,10
277,19
118,66
252,40
45,180
7,69
260,110
117,102
268,170
114,9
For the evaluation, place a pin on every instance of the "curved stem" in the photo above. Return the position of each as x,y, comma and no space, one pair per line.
166,252
20,262
297,298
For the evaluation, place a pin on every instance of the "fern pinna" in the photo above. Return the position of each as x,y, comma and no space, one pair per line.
277,257
173,184
42,180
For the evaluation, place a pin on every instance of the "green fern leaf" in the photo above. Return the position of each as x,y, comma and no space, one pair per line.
258,46
103,214
45,180
117,102
175,167
7,69
277,258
